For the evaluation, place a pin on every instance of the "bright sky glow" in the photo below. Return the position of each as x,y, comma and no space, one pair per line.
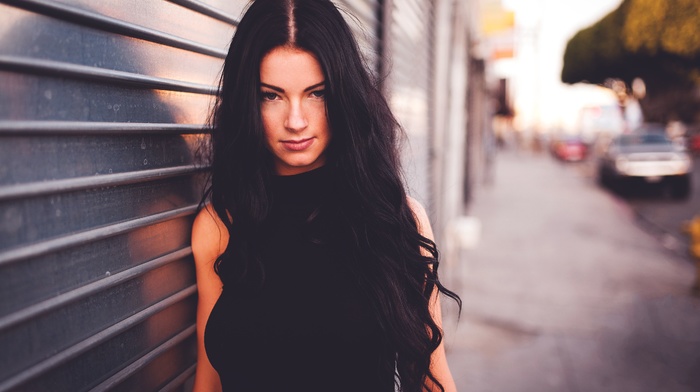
543,27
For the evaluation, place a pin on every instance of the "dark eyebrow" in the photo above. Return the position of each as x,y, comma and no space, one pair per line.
281,90
315,86
278,89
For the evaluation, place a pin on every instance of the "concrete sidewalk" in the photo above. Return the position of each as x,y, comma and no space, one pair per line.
564,292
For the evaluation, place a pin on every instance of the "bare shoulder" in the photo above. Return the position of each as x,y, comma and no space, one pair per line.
209,240
209,235
416,207
421,217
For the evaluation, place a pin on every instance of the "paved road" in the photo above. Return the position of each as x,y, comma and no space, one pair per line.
666,215
564,292
657,211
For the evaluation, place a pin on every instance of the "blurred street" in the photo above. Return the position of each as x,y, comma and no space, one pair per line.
666,217
565,291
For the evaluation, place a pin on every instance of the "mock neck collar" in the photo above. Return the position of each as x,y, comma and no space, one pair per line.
303,188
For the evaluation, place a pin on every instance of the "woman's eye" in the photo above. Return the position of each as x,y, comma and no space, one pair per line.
268,96
319,93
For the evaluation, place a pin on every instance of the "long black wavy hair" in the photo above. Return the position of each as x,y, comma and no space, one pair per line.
364,153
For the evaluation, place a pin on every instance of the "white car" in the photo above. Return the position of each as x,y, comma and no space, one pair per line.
648,157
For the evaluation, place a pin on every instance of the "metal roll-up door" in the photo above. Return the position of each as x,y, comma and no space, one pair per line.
409,85
364,18
102,107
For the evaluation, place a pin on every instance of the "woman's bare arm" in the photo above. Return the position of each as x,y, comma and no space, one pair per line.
209,240
438,362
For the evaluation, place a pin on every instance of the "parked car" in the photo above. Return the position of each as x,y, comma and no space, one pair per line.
568,148
646,157
694,143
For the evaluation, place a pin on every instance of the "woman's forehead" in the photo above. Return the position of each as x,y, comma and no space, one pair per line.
290,68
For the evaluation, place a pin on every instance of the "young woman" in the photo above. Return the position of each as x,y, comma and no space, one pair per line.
315,270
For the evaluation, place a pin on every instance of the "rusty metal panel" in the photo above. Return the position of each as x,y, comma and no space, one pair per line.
102,108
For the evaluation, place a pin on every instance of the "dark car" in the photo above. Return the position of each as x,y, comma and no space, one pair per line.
646,157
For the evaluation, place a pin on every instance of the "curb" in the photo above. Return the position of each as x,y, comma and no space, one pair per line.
677,244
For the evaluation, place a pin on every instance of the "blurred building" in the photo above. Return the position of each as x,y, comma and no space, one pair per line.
102,105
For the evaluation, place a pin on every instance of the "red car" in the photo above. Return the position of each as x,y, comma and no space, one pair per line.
569,149
694,143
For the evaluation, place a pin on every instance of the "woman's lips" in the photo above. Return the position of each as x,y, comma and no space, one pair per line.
297,145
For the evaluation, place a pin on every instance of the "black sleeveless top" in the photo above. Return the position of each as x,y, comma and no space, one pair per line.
310,326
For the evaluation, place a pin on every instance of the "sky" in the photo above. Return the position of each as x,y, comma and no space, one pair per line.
543,27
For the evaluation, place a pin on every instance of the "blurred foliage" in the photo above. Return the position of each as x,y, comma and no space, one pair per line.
657,40
653,26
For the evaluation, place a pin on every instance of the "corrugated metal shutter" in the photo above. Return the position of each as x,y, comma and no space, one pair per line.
409,85
102,105
364,19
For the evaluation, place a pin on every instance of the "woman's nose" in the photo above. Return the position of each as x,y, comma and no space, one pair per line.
296,119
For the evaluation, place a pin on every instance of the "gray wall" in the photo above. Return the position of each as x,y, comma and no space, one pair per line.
102,105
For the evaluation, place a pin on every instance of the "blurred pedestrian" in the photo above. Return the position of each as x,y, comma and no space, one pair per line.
315,270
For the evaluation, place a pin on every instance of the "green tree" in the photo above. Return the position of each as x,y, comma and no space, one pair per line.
655,40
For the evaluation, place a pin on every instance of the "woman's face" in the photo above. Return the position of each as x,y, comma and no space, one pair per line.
293,110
